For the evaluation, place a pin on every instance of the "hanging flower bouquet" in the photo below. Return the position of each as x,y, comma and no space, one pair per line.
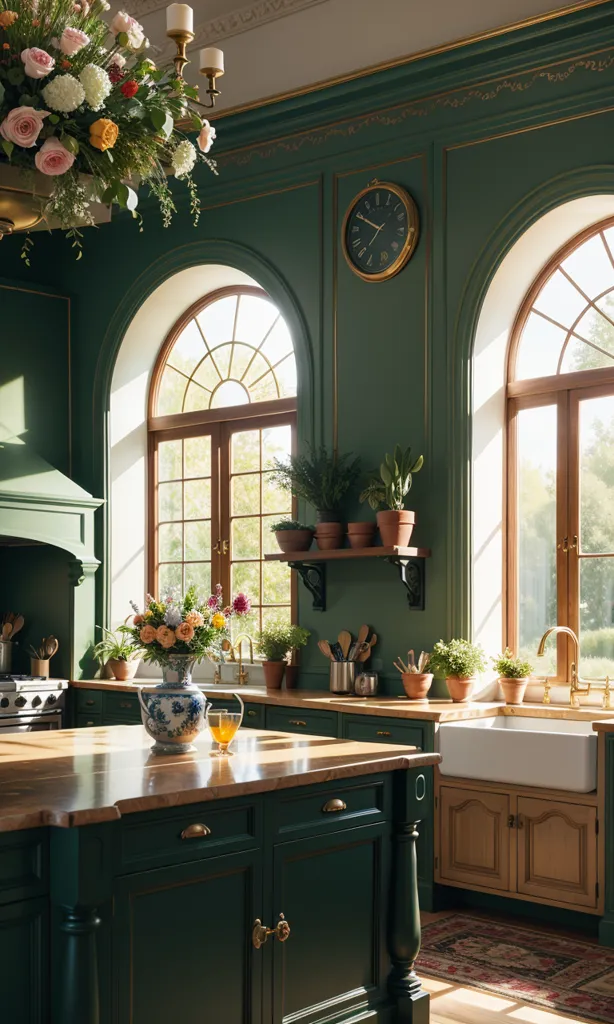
79,96
184,626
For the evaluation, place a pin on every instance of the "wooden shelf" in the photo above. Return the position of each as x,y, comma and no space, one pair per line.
311,567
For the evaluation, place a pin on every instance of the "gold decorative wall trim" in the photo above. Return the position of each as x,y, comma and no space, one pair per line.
411,58
66,299
597,61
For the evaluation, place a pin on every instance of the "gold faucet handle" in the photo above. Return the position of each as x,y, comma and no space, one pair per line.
547,681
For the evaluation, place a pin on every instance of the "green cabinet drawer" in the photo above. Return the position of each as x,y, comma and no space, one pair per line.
254,716
381,730
311,723
121,707
333,807
189,833
88,721
89,700
24,864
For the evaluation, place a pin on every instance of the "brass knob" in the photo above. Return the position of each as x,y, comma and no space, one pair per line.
125,703
334,805
196,831
251,714
511,821
260,932
89,703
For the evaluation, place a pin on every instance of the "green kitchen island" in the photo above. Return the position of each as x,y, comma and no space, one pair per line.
276,885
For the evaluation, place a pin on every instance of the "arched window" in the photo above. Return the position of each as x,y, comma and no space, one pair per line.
222,407
560,499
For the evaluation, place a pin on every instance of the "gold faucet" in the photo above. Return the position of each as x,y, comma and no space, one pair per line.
575,690
238,649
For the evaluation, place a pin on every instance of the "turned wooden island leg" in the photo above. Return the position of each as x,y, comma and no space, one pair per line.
78,989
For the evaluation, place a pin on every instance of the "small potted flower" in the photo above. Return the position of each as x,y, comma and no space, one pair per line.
118,652
513,676
292,535
416,680
388,491
274,642
459,661
322,479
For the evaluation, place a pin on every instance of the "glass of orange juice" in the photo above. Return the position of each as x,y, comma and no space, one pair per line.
223,726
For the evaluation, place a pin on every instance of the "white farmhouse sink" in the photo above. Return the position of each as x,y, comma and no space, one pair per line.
521,751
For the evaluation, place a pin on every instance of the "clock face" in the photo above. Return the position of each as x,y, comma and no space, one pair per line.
380,231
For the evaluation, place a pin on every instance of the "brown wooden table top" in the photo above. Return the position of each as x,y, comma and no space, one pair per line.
81,776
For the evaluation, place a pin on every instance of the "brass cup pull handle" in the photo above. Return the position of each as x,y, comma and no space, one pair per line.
251,714
334,805
296,721
90,703
260,932
196,831
125,703
383,732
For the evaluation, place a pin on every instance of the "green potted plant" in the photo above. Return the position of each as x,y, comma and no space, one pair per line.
390,489
117,650
298,638
459,661
416,680
513,676
274,642
292,535
322,479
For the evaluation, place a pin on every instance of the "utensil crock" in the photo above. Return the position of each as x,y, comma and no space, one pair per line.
342,676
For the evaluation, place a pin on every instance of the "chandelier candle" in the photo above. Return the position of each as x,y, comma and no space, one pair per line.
179,18
212,66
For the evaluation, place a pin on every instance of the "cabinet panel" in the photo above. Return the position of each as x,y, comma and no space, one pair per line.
89,700
474,837
182,943
381,730
24,954
24,864
336,950
120,707
311,723
557,851
85,721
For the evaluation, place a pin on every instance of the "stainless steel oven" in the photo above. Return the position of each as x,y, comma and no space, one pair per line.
30,723
31,703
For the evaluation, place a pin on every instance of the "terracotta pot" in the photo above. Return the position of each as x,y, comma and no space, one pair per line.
273,674
122,669
329,536
417,684
294,540
460,687
396,527
360,535
513,689
325,515
291,677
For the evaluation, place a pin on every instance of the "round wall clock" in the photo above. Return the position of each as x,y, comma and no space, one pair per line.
380,231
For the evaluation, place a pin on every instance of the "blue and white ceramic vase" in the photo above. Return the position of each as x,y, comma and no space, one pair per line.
173,711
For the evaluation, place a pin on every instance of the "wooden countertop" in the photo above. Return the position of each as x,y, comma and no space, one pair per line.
81,776
396,707
607,726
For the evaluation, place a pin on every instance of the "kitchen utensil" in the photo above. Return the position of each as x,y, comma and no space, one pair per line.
367,654
363,633
337,652
51,646
17,625
342,676
353,651
366,684
325,648
345,640
7,629
6,655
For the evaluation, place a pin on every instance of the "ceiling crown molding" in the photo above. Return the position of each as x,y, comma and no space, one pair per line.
232,24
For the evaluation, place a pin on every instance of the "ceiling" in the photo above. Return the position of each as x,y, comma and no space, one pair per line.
275,47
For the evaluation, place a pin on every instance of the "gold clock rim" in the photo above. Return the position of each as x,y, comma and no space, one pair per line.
410,243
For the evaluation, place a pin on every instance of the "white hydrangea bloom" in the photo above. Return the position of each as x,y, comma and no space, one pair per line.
97,85
64,93
184,158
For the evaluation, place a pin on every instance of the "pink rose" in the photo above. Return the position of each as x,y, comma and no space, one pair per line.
206,138
165,636
184,632
22,125
72,40
122,22
37,63
52,158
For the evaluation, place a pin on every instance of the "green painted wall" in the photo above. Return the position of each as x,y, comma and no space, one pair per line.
486,138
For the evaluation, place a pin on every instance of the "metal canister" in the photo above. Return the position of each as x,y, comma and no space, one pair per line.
342,676
6,655
366,684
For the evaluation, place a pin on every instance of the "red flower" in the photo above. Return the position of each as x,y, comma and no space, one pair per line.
130,88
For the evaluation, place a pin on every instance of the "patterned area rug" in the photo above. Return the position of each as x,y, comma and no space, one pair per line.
566,975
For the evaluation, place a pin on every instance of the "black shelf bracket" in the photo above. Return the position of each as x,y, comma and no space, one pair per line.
411,572
313,575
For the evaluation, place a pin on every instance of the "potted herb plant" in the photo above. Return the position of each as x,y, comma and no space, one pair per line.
298,638
513,676
322,479
118,651
416,681
274,642
292,535
390,489
459,661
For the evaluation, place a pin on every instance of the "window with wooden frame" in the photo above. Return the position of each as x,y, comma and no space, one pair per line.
222,407
560,480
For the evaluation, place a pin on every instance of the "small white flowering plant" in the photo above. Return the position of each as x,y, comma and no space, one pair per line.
79,96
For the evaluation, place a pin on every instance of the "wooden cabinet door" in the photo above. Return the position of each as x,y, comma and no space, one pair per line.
333,891
24,955
182,943
557,851
474,838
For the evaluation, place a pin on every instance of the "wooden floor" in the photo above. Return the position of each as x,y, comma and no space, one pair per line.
456,1004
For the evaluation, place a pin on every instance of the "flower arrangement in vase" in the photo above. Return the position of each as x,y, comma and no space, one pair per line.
79,96
176,634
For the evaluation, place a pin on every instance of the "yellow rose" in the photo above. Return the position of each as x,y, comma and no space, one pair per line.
103,134
218,621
